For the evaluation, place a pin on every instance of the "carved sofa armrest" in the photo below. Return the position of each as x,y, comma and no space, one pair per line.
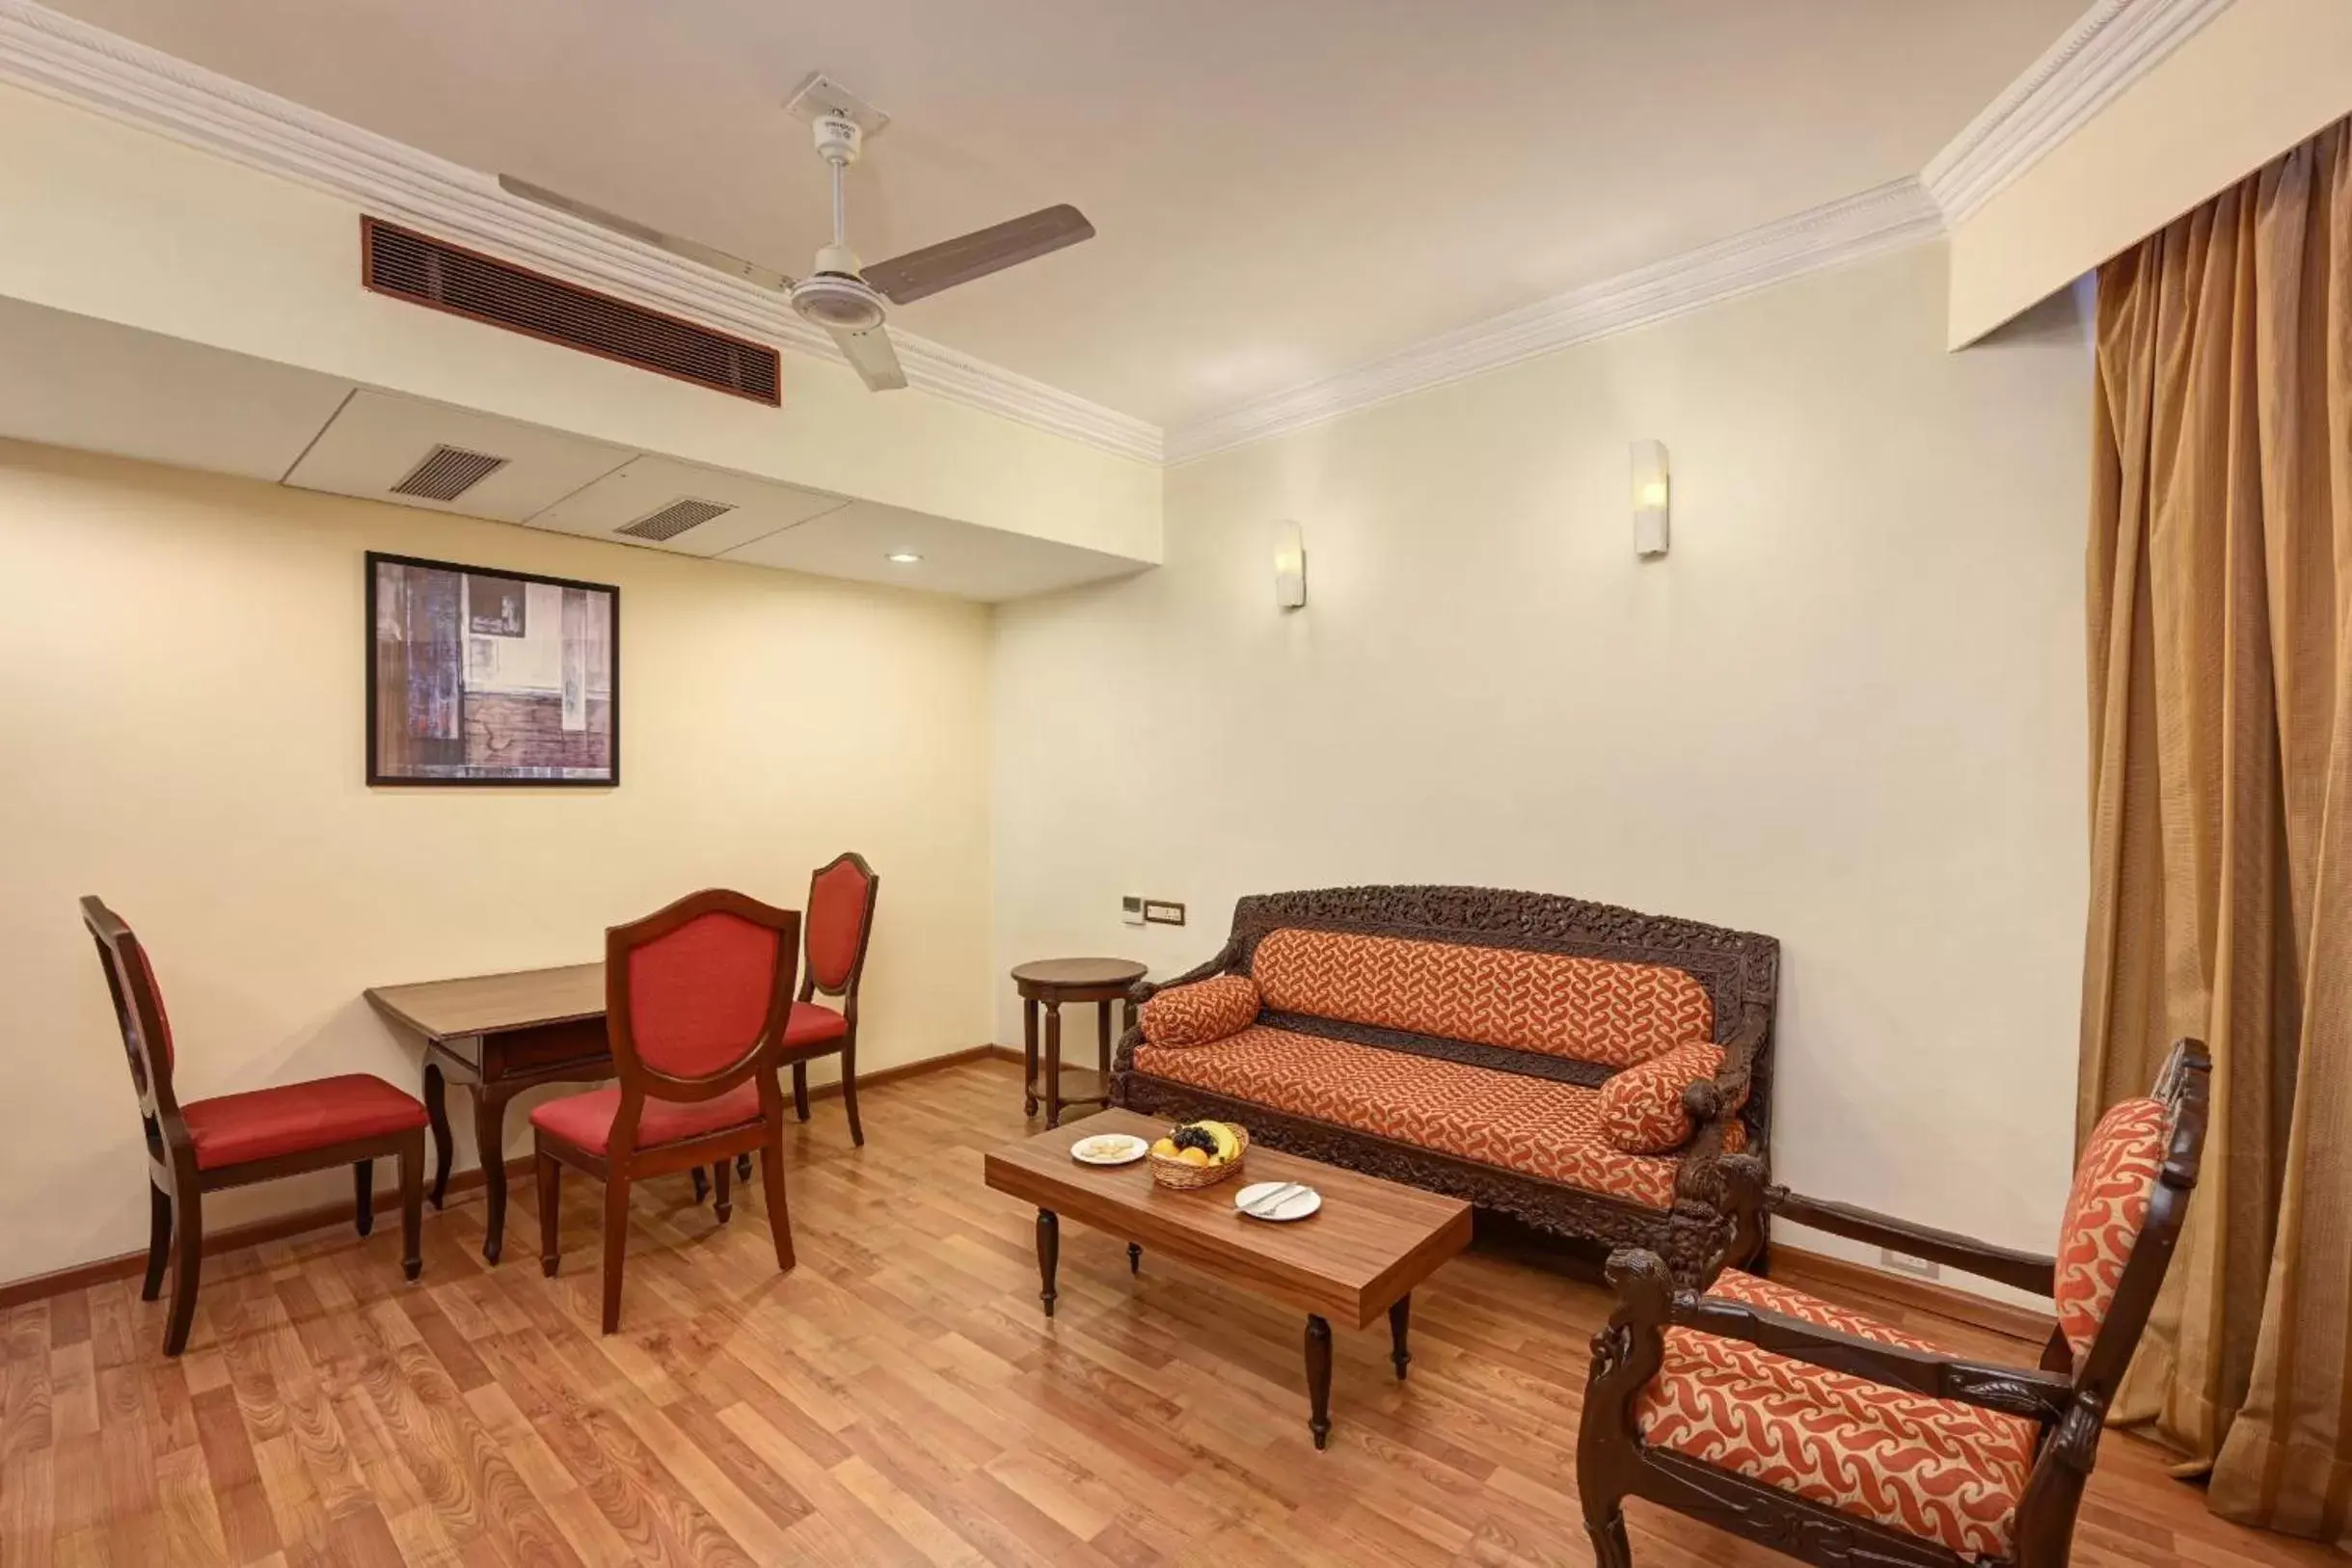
1648,1305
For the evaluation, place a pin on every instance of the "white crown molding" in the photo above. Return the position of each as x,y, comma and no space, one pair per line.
2114,43
84,66
1879,220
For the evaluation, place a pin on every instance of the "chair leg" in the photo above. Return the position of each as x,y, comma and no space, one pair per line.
800,1089
411,1206
702,1185
550,1176
743,1167
187,1262
779,1215
722,1178
364,1195
158,1240
616,1245
848,1091
1605,1523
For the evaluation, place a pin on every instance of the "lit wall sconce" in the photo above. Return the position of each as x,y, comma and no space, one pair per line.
1652,492
1290,566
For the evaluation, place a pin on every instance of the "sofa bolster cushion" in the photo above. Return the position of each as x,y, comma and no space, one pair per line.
1642,1110
1205,1011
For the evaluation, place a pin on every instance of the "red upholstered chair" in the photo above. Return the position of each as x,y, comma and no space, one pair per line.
840,922
1840,1441
234,1139
697,998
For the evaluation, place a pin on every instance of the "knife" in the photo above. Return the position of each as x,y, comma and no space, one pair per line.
1264,1206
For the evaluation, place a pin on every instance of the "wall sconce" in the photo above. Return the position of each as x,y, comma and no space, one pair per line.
1290,566
1652,492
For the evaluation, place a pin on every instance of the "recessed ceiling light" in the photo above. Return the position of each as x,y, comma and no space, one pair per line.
902,557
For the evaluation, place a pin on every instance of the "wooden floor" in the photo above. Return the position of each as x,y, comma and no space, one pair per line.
896,1399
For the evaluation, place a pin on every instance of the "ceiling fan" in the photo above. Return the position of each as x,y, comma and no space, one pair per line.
848,300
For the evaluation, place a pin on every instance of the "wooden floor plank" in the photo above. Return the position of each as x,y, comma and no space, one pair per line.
897,1400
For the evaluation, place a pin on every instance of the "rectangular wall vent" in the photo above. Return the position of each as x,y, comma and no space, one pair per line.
443,277
447,472
675,519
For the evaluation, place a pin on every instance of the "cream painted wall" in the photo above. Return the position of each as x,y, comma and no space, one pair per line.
181,686
1847,709
108,221
2260,77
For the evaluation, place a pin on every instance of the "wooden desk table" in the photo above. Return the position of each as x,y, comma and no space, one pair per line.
498,1035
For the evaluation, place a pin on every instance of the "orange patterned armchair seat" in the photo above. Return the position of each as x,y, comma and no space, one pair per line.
1564,1062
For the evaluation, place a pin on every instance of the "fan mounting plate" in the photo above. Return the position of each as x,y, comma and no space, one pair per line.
819,94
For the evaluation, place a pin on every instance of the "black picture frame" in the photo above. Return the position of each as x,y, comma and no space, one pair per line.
375,675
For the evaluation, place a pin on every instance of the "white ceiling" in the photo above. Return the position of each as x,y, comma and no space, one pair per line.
74,381
1284,189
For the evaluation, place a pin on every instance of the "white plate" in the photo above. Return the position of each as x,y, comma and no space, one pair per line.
1109,1148
1297,1206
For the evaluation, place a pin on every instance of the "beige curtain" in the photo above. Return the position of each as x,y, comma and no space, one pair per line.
2221,721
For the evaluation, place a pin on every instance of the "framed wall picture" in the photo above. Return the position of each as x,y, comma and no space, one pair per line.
484,677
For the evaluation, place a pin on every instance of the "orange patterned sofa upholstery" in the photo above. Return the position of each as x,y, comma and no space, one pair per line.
1466,1040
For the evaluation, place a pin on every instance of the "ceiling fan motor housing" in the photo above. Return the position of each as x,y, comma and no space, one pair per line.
838,302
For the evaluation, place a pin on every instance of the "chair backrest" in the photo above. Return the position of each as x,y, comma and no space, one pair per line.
696,994
145,1029
841,898
2122,1222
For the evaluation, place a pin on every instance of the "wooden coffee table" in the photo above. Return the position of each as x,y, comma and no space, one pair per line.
1359,1256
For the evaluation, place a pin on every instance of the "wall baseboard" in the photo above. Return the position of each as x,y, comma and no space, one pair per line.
281,1226
1794,1264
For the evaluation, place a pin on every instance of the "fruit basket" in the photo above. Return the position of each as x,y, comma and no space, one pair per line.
1182,1175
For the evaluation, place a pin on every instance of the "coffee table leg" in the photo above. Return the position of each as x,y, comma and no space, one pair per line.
1135,1258
1049,1254
1318,1379
1400,1318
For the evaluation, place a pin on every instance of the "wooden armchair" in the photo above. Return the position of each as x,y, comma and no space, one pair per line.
1839,1440
234,1139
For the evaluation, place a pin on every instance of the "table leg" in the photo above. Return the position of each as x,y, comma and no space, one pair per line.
1029,1056
437,1116
1049,1254
490,1145
1318,1379
1400,1320
1102,1042
1053,1063
1135,1258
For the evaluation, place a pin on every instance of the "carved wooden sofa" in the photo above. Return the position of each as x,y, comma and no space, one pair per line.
1837,1440
1580,1066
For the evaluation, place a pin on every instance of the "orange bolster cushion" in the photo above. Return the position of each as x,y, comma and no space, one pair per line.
1205,1011
1641,1108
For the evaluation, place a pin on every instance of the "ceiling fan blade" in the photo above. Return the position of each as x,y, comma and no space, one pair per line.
873,358
692,250
903,278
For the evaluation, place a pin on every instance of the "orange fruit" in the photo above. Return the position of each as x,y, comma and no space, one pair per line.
1193,1156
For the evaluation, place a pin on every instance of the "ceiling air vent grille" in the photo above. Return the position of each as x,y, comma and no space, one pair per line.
675,519
447,472
442,277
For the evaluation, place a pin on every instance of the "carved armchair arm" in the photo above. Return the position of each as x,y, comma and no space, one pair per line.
1648,1305
2024,1270
2011,1390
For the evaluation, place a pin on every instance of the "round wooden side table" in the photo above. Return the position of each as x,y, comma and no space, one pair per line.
1050,982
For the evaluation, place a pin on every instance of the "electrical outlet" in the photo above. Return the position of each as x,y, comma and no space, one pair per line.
1163,913
1908,1264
